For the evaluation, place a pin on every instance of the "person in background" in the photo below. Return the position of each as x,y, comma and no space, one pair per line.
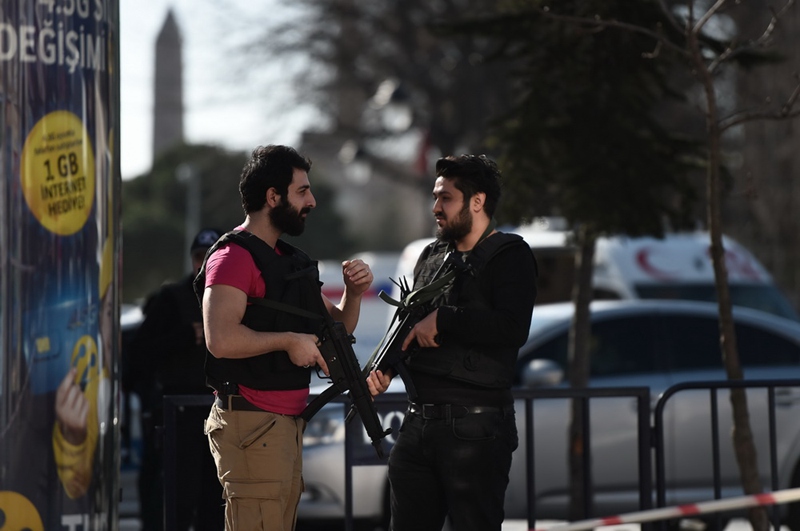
260,354
452,456
166,358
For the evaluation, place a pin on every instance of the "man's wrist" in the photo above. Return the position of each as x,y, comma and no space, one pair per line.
352,295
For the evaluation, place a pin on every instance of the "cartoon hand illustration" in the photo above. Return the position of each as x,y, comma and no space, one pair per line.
76,429
72,409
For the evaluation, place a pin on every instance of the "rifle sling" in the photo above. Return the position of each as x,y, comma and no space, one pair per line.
283,307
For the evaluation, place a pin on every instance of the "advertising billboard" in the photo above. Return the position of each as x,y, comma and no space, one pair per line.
59,241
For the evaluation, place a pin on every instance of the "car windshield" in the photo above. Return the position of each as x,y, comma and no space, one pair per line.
758,296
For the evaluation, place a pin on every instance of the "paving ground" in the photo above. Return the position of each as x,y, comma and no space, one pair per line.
130,522
133,524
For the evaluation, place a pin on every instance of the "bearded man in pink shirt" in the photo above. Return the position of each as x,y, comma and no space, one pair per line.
260,356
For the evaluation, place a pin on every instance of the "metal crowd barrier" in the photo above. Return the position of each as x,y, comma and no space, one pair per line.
650,439
359,452
713,388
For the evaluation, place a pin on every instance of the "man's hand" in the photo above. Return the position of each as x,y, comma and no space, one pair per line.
357,276
304,351
424,332
72,409
378,382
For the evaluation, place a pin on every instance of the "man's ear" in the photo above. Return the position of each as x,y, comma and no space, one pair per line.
477,201
273,198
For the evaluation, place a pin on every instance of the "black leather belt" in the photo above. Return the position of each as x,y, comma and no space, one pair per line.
235,403
446,411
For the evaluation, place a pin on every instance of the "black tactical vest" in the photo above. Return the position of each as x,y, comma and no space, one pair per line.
292,279
478,365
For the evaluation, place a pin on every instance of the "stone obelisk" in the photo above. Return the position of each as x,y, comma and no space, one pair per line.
168,88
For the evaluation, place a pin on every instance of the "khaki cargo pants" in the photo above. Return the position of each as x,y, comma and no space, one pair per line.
259,462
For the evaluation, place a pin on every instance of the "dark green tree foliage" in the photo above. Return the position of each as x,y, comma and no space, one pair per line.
582,140
154,213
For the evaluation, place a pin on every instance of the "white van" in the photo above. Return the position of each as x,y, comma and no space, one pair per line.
677,266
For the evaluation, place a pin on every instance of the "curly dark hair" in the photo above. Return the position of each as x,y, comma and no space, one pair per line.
473,174
269,166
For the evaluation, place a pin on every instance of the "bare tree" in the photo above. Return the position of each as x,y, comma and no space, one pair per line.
707,53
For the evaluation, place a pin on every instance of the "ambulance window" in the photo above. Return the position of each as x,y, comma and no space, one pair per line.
556,275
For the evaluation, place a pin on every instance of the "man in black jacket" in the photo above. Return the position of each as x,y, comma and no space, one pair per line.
453,453
167,356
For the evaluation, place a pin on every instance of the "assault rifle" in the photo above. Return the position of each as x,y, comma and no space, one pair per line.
412,307
345,373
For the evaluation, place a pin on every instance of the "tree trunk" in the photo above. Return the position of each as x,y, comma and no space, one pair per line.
742,435
579,341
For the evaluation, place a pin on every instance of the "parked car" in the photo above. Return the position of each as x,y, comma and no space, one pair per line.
634,343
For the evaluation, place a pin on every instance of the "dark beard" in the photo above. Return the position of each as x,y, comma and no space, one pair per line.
288,219
461,226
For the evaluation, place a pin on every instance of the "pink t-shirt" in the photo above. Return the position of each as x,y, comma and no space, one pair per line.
232,265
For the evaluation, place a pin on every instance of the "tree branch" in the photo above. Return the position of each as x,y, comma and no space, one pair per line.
698,27
787,110
760,42
599,22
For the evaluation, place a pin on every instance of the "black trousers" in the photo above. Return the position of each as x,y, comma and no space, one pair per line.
455,467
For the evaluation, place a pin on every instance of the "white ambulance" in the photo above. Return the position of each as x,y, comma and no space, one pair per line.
677,266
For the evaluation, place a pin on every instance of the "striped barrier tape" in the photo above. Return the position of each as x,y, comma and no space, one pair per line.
691,509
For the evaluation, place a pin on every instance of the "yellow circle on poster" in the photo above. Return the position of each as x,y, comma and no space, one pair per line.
57,172
17,512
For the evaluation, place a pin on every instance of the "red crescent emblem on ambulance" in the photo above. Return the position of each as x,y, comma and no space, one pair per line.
643,260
